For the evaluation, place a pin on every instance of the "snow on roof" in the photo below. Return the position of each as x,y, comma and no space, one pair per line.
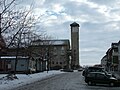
12,57
50,42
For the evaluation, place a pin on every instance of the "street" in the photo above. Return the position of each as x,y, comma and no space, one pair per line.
65,81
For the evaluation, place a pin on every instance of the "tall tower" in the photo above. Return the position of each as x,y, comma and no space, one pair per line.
75,45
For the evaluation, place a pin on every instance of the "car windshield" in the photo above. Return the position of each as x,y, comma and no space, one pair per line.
93,69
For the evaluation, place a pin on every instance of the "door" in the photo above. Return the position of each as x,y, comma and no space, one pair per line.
101,78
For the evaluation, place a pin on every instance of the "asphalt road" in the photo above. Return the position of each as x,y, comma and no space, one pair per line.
65,81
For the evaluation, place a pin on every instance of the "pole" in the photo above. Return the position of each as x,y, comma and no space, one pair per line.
0,25
0,36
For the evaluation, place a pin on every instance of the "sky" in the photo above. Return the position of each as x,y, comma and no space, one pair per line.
99,22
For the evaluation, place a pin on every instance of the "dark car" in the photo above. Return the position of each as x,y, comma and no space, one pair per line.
94,78
80,69
67,70
92,69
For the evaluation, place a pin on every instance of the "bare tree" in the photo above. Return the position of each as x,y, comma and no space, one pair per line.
17,26
13,22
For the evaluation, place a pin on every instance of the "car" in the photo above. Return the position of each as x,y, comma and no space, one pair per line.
67,70
92,69
80,69
94,78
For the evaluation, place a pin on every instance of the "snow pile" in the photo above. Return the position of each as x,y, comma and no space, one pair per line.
23,79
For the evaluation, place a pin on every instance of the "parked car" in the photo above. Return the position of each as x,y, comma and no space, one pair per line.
67,70
80,69
92,69
94,78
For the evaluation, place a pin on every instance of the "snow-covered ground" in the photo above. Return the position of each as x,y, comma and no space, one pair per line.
24,79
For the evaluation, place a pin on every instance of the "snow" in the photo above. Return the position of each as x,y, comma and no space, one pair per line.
24,79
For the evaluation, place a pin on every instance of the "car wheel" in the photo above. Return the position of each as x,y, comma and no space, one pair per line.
89,83
111,84
94,83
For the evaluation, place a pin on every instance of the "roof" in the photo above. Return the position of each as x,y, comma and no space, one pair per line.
114,44
95,67
74,24
13,57
97,72
51,42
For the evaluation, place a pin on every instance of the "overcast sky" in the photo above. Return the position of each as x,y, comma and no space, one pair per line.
99,23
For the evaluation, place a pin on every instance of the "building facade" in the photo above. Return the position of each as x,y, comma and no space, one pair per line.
112,58
104,62
75,45
53,52
8,64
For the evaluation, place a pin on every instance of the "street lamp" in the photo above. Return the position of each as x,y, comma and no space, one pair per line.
0,36
0,24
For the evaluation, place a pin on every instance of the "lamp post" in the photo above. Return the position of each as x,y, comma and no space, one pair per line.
0,25
0,36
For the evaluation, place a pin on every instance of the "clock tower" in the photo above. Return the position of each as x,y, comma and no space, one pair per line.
75,45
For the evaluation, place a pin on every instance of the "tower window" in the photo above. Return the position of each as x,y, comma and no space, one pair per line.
52,62
60,62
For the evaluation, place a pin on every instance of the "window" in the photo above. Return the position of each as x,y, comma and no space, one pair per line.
115,49
91,75
60,62
101,76
52,62
55,51
22,64
62,50
115,59
56,62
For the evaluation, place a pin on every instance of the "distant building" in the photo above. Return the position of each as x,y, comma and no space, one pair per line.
115,61
24,63
112,58
53,52
75,45
8,64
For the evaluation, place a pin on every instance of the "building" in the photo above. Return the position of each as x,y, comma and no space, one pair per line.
8,64
17,51
53,52
112,57
104,62
115,61
75,45
23,62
